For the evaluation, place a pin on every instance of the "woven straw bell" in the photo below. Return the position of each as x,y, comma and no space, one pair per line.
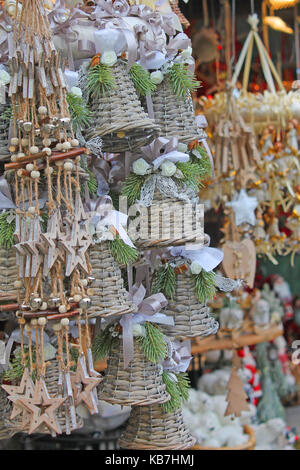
175,115
170,221
9,272
150,428
6,432
109,296
191,318
119,118
140,384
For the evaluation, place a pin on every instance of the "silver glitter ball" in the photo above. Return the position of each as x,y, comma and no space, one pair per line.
53,302
85,303
20,122
65,122
35,303
27,126
48,129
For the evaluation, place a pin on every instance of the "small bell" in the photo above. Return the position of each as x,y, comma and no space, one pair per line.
27,126
35,302
53,302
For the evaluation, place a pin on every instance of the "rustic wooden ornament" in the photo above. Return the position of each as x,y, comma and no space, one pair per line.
43,408
26,389
240,260
51,239
33,257
85,387
76,249
236,397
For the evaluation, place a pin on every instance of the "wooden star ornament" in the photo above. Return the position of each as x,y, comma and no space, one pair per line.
43,408
85,387
25,389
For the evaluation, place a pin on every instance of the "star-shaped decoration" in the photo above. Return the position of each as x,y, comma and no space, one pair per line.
244,207
30,246
51,238
85,387
43,408
25,389
76,247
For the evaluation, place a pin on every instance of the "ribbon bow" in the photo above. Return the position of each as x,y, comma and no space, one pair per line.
6,201
179,356
148,311
166,149
208,258
180,41
103,211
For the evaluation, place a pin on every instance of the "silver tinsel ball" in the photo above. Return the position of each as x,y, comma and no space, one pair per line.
53,302
35,303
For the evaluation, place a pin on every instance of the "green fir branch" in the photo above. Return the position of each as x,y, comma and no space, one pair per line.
153,343
123,253
16,368
80,114
182,80
7,114
164,280
204,284
102,344
178,389
115,199
132,187
141,80
100,80
7,230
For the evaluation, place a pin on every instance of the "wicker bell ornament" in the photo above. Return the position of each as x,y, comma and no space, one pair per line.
150,427
140,384
119,118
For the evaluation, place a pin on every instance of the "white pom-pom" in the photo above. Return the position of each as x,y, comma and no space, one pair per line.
84,282
18,284
25,142
59,146
64,321
44,306
74,142
49,170
66,146
14,158
62,309
29,167
77,298
20,155
42,321
14,141
47,150
59,163
46,142
35,174
68,166
34,149
31,210
42,110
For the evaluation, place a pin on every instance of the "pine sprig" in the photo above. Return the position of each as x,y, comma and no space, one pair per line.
132,187
193,174
141,80
7,114
182,80
178,389
6,230
80,114
153,343
164,280
16,369
123,253
100,80
102,344
204,283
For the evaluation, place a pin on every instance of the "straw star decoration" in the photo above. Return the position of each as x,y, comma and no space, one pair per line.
244,207
76,247
51,239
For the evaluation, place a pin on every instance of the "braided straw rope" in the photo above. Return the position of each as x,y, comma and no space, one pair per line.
4,128
120,119
109,296
8,272
150,427
174,115
190,317
170,221
140,384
